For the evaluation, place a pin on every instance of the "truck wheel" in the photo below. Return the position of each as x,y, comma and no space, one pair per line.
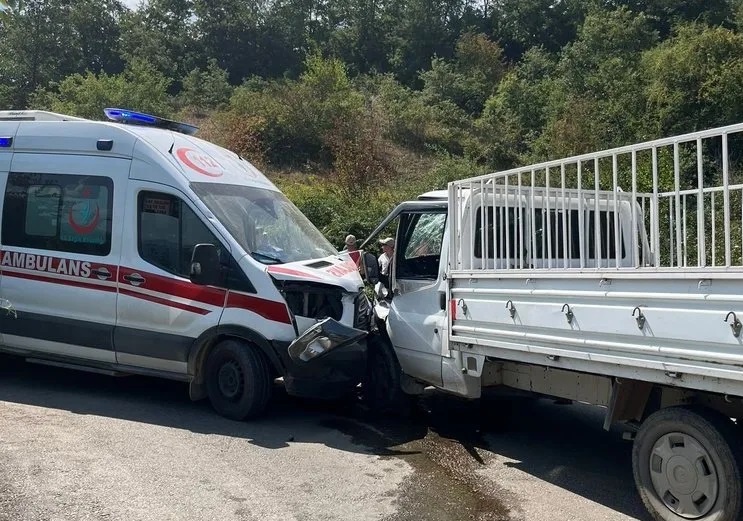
238,380
687,465
381,390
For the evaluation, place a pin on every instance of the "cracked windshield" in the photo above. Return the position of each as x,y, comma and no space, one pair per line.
264,223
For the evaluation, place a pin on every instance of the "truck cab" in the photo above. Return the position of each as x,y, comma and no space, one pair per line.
411,307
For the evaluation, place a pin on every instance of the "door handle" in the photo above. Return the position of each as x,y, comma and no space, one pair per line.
135,279
101,273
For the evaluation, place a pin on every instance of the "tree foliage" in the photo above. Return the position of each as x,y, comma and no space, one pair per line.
301,115
695,79
368,102
206,89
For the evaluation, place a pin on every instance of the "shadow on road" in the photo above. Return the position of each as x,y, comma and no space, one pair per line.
560,444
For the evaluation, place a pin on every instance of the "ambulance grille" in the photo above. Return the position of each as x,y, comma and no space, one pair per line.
317,302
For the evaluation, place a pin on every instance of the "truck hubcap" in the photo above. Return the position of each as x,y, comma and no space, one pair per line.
230,380
683,475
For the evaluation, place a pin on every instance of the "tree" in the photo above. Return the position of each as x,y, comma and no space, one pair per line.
599,100
419,121
523,24
517,113
695,79
206,88
470,78
7,7
97,29
161,32
299,116
666,14
360,34
38,46
228,31
421,30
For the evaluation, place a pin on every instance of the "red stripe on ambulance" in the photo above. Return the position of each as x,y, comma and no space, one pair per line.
164,302
176,288
275,311
104,277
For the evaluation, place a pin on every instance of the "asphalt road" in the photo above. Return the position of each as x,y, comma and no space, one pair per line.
83,446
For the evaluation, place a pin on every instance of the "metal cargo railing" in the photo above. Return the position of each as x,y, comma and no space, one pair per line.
674,203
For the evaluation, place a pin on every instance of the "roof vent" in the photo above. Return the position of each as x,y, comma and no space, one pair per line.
35,115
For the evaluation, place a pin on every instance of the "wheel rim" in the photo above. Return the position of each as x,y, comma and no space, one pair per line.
683,475
230,380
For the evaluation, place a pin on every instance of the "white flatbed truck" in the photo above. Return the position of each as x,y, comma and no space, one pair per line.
613,278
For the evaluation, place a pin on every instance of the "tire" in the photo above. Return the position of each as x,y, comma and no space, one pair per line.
687,465
238,380
381,390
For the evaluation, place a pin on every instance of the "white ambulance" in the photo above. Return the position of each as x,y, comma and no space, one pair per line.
132,247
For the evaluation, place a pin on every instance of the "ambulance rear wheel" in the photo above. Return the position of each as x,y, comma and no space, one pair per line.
687,465
238,380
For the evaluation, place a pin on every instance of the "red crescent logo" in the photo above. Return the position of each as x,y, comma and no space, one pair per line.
198,162
84,229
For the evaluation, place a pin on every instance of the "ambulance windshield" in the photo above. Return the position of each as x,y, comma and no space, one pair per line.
264,222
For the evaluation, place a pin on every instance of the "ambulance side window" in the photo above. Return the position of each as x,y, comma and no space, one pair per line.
69,213
168,231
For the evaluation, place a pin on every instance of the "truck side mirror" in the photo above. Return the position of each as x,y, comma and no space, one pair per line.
371,268
205,266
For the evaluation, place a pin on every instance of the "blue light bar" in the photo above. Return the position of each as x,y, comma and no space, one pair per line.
126,116
131,117
6,142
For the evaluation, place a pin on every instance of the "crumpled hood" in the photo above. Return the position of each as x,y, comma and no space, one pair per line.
337,270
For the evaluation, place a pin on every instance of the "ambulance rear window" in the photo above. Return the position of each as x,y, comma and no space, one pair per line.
69,213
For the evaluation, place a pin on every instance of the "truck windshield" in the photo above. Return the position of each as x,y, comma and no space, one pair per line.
265,223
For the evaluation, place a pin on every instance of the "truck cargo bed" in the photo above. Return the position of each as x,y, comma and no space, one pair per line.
624,263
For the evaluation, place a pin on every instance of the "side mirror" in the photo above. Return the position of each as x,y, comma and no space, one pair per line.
371,268
205,265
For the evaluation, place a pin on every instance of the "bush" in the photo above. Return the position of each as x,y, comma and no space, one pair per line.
300,116
337,211
140,87
418,121
361,156
242,135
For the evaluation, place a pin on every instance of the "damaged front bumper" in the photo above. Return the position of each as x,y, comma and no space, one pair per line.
326,361
321,339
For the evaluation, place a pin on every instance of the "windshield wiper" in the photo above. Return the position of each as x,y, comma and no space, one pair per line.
265,258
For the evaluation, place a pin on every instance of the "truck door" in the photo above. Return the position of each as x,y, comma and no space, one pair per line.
61,230
160,311
417,320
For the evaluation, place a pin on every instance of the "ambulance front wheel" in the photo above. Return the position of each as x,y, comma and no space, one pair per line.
238,380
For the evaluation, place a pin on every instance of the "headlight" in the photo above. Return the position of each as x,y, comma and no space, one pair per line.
322,338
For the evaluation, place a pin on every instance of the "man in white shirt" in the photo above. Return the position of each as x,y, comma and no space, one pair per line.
388,247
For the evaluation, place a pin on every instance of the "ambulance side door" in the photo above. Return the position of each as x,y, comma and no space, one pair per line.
60,251
160,311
